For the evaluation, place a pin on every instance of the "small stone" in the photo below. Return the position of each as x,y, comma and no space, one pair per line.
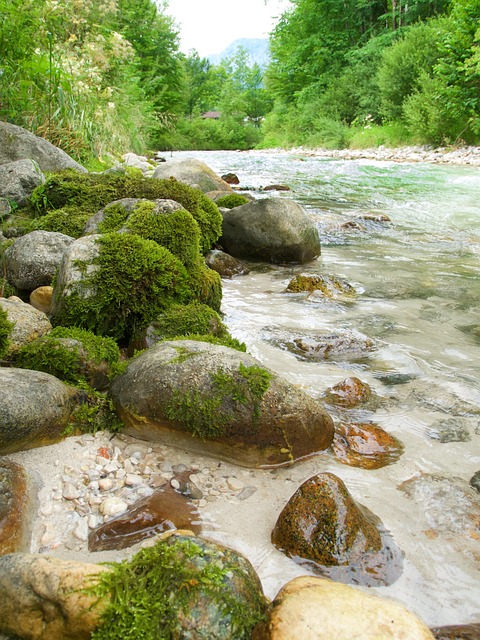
111,467
144,492
179,468
235,484
174,483
166,466
94,485
128,466
46,509
94,500
113,506
81,530
246,493
105,484
132,480
93,521
475,481
70,491
121,473
157,481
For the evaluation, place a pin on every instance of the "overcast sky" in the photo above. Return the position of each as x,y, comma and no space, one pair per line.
211,25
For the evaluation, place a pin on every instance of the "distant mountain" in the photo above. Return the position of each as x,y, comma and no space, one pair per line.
257,47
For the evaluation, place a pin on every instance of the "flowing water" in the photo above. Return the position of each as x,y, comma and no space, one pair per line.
418,295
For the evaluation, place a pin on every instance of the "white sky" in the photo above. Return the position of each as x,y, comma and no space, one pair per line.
211,25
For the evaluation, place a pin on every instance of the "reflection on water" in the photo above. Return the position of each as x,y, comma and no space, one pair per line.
418,297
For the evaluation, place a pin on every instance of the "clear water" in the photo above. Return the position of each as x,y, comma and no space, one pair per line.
418,284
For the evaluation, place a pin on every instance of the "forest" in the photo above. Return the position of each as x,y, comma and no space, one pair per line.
102,77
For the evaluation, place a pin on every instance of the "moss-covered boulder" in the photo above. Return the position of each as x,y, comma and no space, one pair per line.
73,355
34,411
26,323
231,200
165,222
91,192
183,587
322,286
232,406
323,528
116,284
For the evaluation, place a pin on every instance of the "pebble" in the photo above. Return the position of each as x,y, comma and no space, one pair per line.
246,493
132,480
81,530
235,484
113,506
70,491
105,484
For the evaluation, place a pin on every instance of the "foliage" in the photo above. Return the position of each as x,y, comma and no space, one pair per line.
5,330
135,280
94,412
69,220
231,201
211,412
163,588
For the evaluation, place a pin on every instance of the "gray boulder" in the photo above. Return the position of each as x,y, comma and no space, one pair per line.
272,230
19,144
194,173
34,411
28,323
18,180
32,260
233,407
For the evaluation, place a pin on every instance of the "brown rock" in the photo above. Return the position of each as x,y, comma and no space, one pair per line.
15,508
323,528
365,445
309,608
350,393
225,264
231,178
276,187
42,598
41,299
457,632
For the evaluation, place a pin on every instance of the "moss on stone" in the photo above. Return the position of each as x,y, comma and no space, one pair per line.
193,318
5,329
92,192
226,341
231,201
182,587
206,285
211,412
68,354
135,281
93,412
69,220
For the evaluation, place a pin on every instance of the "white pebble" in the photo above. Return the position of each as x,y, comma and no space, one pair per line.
235,484
105,484
94,485
132,480
113,506
111,467
81,530
93,521
128,466
70,491
175,484
121,473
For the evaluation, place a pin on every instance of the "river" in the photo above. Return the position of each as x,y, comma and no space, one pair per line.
418,295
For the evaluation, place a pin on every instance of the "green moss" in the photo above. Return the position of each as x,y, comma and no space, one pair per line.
231,201
330,286
94,412
193,318
226,341
68,354
5,329
211,412
135,281
92,192
69,220
181,587
115,217
206,285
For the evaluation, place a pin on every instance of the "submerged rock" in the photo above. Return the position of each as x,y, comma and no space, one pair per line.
164,510
351,393
475,481
314,346
234,408
225,264
324,529
327,286
34,411
43,598
449,430
16,508
309,608
365,445
457,632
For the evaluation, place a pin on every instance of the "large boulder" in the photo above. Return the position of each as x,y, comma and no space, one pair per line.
309,608
272,230
19,179
28,323
32,260
16,508
44,598
232,406
323,528
34,411
193,172
19,144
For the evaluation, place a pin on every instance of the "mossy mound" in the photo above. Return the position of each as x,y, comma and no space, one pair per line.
177,230
129,283
329,286
226,341
69,220
5,329
183,587
182,320
231,201
206,285
92,191
72,355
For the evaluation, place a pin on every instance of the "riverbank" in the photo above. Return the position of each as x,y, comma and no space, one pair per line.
441,155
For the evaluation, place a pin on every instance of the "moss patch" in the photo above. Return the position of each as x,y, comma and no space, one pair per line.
94,412
5,329
211,412
231,201
135,281
69,220
194,318
206,285
180,588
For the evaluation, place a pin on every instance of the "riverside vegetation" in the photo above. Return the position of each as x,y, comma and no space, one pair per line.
100,77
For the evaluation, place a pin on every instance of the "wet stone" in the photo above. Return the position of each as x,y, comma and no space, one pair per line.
365,445
328,286
15,508
316,347
458,632
475,481
350,393
324,529
449,430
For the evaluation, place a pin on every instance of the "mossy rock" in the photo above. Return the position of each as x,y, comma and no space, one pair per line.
5,330
72,355
231,201
183,587
327,285
116,284
69,220
165,222
91,192
206,285
193,321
